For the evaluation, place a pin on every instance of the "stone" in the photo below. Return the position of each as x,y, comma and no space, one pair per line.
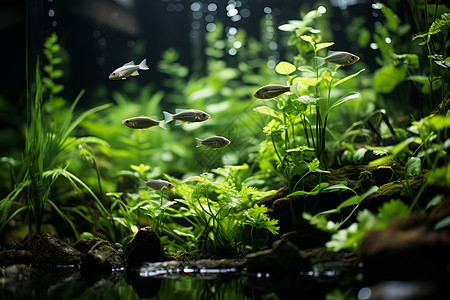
282,261
144,247
14,256
48,251
103,257
84,245
408,249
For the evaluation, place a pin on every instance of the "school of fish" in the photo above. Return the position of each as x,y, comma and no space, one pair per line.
150,123
181,116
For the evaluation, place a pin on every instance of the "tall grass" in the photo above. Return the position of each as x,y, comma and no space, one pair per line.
45,160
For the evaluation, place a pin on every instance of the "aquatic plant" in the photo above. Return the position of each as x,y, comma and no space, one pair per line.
45,160
210,217
311,102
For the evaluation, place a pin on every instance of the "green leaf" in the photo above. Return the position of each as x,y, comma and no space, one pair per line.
413,166
317,189
56,74
285,68
305,81
287,27
435,201
345,99
57,88
114,194
357,199
307,38
337,187
346,78
269,111
445,222
388,77
324,45
381,160
391,17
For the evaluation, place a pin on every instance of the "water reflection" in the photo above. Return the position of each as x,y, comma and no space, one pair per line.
131,285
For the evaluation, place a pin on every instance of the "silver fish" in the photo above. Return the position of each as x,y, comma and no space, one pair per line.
185,115
143,123
156,184
273,90
213,142
341,58
128,69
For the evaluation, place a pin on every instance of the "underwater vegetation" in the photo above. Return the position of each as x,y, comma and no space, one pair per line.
277,135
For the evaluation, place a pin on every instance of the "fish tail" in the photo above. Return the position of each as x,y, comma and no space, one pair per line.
294,89
162,124
320,60
168,117
142,184
199,142
143,65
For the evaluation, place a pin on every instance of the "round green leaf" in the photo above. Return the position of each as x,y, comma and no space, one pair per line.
285,68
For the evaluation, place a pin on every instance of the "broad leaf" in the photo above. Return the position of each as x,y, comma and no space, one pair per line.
269,111
305,81
307,38
323,45
285,68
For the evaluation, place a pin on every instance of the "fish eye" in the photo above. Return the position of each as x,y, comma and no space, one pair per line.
203,115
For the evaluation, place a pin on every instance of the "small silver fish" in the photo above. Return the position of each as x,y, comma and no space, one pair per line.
185,115
213,142
273,90
143,123
156,184
128,69
341,58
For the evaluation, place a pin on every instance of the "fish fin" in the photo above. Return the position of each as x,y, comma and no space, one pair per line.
151,117
162,124
129,63
294,89
320,60
168,117
143,65
123,78
142,183
135,74
178,122
199,142
178,110
150,128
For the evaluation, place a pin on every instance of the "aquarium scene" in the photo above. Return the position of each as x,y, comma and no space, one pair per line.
225,149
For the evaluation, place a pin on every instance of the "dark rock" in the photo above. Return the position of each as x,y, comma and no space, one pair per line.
282,261
14,256
50,252
307,237
103,258
408,249
84,245
212,264
144,247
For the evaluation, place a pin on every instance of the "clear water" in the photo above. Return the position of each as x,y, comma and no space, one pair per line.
206,285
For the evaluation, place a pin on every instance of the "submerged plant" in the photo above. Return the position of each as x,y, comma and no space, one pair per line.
307,109
211,216
47,143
